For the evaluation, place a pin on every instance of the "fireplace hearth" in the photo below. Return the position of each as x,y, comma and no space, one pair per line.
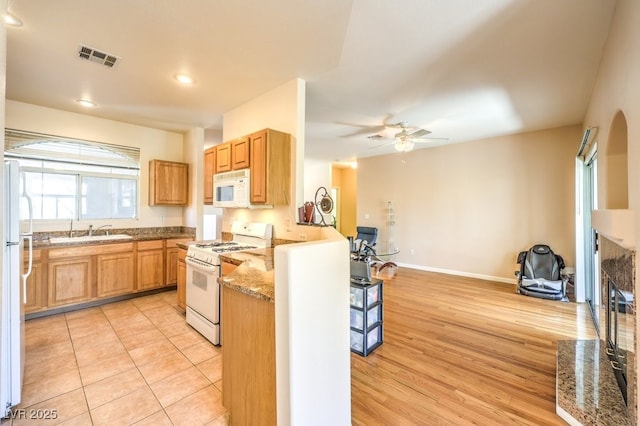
617,319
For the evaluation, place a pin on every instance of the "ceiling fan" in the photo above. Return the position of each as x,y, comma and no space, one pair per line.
406,138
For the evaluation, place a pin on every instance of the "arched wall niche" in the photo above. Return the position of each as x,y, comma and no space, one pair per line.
617,176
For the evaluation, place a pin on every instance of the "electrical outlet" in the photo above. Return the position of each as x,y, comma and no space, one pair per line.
366,215
412,251
303,237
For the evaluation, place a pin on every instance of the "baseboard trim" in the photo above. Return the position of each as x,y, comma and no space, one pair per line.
96,302
459,273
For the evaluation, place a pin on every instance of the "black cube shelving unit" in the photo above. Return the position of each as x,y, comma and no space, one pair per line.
366,315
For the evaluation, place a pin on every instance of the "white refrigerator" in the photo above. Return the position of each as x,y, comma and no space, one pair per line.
13,289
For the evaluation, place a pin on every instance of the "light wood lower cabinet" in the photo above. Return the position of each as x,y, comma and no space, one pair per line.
76,274
150,265
248,358
226,268
34,288
115,274
182,279
171,264
69,281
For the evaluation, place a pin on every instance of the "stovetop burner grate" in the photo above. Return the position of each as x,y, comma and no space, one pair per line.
217,244
224,249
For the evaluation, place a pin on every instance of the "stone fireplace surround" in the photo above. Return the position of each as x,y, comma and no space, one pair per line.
587,390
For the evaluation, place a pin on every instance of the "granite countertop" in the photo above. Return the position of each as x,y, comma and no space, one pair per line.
586,389
254,274
41,240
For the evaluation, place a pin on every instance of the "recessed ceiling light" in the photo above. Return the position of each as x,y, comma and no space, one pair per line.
9,19
184,78
86,103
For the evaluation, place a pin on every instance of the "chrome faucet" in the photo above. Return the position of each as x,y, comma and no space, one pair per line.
91,230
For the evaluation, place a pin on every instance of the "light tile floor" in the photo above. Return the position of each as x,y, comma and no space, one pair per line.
130,362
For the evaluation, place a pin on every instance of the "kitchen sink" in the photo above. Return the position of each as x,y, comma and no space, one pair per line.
87,238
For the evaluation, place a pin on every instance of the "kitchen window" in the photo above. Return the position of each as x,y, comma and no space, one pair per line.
76,179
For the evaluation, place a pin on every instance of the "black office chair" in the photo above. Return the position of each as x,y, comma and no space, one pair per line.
362,246
362,249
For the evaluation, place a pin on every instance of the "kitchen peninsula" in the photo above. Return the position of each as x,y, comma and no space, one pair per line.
248,338
285,333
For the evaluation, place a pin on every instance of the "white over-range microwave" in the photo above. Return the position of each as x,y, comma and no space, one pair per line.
231,189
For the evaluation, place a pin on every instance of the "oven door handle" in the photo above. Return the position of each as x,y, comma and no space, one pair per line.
200,265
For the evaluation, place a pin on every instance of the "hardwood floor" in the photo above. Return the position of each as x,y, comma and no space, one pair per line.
462,351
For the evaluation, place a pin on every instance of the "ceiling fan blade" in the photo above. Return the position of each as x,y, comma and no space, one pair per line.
382,145
363,130
378,137
418,133
427,140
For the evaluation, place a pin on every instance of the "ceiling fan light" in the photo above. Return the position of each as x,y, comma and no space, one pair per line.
404,145
184,79
86,103
12,20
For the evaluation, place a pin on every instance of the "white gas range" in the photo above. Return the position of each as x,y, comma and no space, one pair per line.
203,270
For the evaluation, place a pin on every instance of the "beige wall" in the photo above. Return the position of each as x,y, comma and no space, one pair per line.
470,208
345,179
153,144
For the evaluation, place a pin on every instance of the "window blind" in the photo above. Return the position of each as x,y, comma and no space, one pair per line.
37,146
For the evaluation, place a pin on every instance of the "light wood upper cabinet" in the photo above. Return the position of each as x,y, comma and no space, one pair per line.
150,265
240,154
223,158
209,171
270,167
232,155
168,183
115,274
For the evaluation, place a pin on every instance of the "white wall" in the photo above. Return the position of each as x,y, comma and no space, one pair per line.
313,364
618,89
3,75
317,174
283,109
153,144
192,155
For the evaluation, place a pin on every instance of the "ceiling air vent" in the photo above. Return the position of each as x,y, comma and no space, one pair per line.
97,56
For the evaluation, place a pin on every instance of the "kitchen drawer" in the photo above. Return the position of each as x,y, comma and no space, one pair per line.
150,245
173,242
